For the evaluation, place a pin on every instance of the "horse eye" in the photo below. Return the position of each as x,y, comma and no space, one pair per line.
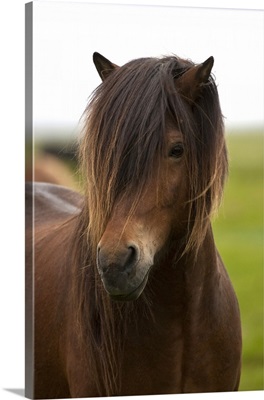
177,151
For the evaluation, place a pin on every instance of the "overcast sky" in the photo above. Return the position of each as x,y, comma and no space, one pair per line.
65,35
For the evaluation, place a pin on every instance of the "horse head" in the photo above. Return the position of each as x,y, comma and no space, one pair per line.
147,176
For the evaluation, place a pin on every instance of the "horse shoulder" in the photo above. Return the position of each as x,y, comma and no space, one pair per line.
228,324
224,337
212,354
55,212
51,212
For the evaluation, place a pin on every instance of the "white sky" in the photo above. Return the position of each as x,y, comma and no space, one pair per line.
66,34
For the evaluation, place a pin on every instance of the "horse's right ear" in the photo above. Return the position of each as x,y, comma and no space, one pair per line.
104,67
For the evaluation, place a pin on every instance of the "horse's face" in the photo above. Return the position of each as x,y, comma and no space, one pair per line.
137,232
128,246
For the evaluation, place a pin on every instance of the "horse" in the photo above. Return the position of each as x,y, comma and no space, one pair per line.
52,169
131,296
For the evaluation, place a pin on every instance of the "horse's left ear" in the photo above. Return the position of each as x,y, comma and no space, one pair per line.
191,82
103,65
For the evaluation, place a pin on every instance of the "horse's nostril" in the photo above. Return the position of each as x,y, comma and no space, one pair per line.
120,259
132,255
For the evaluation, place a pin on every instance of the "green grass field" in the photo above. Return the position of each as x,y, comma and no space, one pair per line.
239,237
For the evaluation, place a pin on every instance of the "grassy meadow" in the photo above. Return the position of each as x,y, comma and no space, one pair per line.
239,236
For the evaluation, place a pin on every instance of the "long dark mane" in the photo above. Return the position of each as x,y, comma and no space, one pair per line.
123,139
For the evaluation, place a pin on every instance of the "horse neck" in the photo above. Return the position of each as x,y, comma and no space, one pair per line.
175,284
202,270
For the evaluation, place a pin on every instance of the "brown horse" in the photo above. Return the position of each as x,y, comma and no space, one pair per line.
130,294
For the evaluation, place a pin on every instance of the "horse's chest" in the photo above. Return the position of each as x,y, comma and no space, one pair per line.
153,363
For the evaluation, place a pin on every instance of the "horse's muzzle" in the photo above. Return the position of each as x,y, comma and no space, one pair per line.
120,271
